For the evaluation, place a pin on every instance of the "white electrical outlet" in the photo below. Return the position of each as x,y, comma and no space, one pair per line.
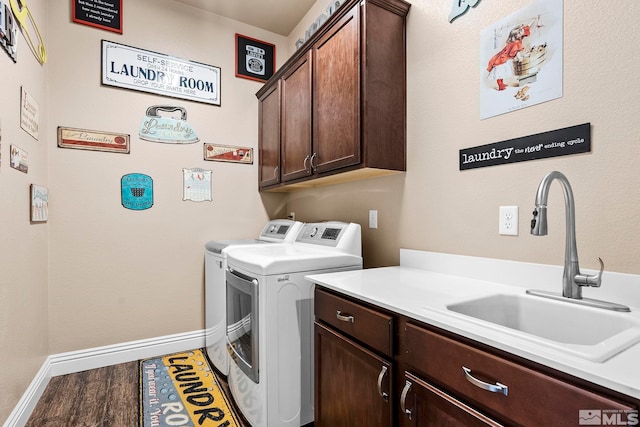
508,225
373,219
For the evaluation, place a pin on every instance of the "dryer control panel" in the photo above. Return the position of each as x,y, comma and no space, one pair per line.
284,230
340,235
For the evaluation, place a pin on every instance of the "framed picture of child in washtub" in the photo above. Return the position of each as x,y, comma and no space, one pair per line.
521,59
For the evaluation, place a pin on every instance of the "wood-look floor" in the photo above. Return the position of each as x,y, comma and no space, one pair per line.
103,397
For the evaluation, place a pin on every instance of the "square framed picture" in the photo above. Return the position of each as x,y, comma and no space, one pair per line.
255,59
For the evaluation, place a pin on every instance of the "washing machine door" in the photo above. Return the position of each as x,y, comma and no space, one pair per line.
242,323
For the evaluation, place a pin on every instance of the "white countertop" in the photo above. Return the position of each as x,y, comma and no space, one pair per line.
425,283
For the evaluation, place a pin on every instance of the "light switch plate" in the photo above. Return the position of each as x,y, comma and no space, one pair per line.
373,219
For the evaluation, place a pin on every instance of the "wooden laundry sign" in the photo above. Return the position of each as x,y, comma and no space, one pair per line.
561,142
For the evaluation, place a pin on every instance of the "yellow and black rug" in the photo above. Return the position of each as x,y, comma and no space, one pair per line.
182,390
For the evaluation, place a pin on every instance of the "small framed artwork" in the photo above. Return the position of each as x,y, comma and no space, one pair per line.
227,153
255,59
196,184
19,159
39,203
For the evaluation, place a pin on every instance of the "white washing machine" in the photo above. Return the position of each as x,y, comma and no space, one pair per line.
270,320
275,231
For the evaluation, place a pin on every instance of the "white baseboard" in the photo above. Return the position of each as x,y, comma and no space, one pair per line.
98,357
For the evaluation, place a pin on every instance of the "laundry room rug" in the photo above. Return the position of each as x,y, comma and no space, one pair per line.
182,390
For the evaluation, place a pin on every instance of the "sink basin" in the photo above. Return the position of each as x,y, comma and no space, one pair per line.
591,333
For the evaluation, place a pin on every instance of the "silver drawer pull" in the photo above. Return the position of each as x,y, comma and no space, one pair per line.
494,388
403,399
383,394
345,318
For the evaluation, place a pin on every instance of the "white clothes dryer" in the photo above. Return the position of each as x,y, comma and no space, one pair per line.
275,231
270,320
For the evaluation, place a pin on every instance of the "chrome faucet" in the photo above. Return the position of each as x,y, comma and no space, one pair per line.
572,279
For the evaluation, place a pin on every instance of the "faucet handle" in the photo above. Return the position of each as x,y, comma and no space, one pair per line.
594,280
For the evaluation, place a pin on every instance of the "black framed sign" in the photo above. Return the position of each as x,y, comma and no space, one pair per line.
103,14
255,59
559,142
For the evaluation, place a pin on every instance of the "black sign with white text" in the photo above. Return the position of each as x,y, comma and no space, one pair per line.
103,14
561,142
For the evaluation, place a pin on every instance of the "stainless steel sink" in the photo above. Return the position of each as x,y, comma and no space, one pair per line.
591,333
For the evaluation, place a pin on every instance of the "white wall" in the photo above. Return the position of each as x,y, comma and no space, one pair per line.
436,207
116,274
96,273
23,246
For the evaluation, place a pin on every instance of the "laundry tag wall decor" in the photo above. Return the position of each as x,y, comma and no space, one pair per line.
227,153
145,71
137,191
29,114
168,124
29,29
103,14
8,30
196,184
93,140
560,142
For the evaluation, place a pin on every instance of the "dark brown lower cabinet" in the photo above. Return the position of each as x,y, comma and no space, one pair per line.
423,404
352,384
375,367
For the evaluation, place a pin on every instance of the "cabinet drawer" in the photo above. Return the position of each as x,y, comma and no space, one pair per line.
371,327
519,394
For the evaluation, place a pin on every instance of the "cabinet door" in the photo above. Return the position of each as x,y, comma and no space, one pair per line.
423,405
269,137
352,385
336,95
296,120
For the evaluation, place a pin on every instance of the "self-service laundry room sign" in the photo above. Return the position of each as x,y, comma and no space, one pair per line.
142,70
560,142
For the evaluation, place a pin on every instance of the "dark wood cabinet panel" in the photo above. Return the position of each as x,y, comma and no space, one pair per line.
514,387
343,97
424,405
355,320
353,386
296,120
269,137
427,385
336,104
